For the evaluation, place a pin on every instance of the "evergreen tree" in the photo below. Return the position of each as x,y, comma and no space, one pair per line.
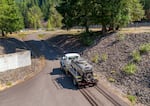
10,17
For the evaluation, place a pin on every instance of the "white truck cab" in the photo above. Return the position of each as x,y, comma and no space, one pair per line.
67,58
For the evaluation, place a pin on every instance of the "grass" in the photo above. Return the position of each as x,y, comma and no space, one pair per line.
104,57
8,83
95,58
136,56
130,68
132,98
111,80
120,37
145,48
41,36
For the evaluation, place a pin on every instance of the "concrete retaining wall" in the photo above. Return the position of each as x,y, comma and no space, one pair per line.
15,60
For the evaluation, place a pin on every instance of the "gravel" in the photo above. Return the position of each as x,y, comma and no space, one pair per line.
119,54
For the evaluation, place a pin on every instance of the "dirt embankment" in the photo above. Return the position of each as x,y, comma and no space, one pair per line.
113,53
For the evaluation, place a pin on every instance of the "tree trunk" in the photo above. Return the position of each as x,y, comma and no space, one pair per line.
104,29
87,29
3,34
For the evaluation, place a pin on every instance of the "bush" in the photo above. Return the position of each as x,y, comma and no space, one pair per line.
41,36
95,58
86,39
136,56
120,37
8,83
145,48
131,98
111,80
104,57
130,68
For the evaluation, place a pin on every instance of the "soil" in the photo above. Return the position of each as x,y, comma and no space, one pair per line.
118,54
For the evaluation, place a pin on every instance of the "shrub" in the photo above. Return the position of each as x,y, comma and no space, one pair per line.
136,56
95,58
131,98
120,37
41,35
144,48
86,39
130,68
104,57
111,80
8,83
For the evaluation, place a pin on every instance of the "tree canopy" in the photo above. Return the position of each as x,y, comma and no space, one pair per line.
10,17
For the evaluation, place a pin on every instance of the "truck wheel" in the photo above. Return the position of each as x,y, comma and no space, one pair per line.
74,82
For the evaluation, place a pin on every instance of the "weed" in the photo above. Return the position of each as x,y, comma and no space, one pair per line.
130,68
131,98
104,57
136,56
95,58
41,36
86,39
145,48
111,80
120,37
8,83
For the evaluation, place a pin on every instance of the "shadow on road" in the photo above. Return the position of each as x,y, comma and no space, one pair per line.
62,80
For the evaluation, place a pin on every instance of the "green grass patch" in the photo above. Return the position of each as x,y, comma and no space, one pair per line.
95,58
41,36
145,48
132,98
22,35
136,56
120,37
87,38
104,57
111,79
8,83
130,68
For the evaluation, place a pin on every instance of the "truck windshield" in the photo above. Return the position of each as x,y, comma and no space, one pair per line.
73,58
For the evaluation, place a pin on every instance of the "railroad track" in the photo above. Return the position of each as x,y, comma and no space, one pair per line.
95,101
107,95
89,97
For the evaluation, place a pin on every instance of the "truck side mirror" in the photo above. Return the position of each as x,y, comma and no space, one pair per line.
64,58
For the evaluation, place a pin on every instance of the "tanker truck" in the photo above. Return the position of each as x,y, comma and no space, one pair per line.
80,70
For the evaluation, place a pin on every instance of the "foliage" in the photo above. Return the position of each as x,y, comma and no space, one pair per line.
130,68
95,58
120,37
145,48
136,56
115,13
34,16
10,17
104,57
41,36
8,83
111,80
131,98
87,39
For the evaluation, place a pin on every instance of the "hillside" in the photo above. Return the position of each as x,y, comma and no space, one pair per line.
109,55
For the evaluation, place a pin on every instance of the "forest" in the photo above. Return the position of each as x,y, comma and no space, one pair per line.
35,14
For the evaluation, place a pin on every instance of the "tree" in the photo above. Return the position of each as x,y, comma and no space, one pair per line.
34,16
10,17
